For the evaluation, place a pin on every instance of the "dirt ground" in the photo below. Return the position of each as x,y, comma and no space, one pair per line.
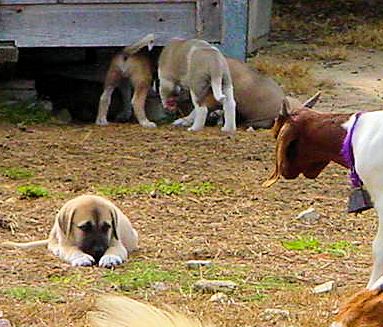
218,211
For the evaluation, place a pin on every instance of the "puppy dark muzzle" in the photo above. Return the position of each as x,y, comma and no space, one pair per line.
95,246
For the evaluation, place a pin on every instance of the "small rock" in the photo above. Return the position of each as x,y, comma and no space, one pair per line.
193,264
219,298
324,288
159,286
213,286
185,178
5,323
250,129
64,116
309,215
153,194
271,314
46,105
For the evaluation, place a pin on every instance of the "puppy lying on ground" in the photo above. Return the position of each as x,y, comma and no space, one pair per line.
87,230
258,98
119,311
365,309
135,64
203,70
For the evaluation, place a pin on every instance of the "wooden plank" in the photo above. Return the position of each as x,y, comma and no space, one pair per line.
97,25
259,22
156,2
24,2
235,18
209,19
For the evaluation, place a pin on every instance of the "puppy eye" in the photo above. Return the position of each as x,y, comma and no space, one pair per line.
105,227
86,227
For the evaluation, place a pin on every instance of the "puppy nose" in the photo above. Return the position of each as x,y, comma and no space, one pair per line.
98,252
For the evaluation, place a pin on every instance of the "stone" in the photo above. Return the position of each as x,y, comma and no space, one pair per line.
159,286
219,298
193,264
64,116
324,288
272,314
214,286
309,215
5,323
46,105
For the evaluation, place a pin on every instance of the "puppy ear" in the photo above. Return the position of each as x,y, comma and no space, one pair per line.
65,219
114,223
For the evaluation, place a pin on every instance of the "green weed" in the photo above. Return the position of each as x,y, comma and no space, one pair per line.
33,294
139,275
32,191
26,112
16,173
339,248
162,187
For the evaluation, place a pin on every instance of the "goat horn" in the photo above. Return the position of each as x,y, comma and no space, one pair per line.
137,46
310,103
285,109
273,178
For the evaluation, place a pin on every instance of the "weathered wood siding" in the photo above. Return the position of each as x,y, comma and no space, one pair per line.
79,23
234,25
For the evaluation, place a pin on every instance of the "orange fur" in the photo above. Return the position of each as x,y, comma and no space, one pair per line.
365,309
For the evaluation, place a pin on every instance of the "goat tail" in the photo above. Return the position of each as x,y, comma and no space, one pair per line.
216,86
147,40
25,245
120,311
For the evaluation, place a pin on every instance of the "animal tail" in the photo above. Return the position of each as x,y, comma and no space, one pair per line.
216,86
26,245
147,40
119,311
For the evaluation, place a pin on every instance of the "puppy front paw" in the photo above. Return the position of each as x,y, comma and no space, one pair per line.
195,129
110,260
148,124
81,260
230,130
101,122
181,122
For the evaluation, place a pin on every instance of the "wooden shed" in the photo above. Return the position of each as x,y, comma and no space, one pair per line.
235,25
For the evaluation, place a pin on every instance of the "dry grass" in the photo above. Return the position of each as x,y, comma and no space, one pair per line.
293,76
364,36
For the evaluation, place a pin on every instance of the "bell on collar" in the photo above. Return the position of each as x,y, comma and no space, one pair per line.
359,200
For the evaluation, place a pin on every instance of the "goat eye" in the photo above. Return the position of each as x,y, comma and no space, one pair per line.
86,227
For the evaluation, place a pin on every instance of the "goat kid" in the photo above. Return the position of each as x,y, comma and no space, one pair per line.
308,140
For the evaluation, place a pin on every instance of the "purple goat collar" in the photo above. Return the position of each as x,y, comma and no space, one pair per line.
348,153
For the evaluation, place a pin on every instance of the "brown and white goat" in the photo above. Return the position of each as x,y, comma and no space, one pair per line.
308,140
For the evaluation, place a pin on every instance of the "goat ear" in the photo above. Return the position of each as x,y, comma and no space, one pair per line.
285,108
147,41
286,135
310,103
65,219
